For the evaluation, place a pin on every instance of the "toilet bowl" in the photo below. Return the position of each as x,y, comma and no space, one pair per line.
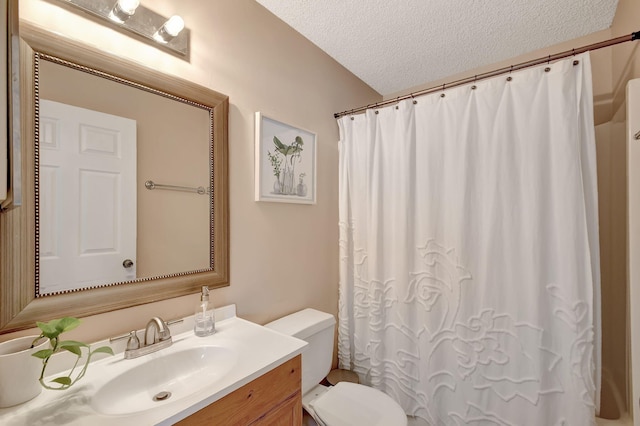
345,404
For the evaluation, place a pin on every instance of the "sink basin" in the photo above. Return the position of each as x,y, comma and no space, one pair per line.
196,371
159,379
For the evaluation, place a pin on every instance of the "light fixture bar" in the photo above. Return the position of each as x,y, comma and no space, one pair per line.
143,22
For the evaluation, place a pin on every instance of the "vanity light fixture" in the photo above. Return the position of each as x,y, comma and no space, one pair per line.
168,34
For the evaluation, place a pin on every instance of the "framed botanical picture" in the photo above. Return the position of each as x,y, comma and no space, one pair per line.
285,157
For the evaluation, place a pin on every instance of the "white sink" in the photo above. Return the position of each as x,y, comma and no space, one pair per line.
163,379
197,371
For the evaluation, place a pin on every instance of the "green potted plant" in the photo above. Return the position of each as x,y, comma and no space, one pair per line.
52,331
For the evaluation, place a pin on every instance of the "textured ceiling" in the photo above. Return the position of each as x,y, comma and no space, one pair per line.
394,45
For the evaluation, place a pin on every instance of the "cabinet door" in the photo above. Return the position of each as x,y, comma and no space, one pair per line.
289,413
274,394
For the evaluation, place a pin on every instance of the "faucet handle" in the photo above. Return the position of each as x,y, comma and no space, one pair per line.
163,332
133,342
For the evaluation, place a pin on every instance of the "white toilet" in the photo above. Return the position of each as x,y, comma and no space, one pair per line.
345,404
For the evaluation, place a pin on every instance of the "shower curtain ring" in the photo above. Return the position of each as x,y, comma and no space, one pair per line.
397,101
414,101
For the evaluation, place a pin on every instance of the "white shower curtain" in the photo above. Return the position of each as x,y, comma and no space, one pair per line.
469,261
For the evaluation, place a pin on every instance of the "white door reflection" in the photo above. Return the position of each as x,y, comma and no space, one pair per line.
87,198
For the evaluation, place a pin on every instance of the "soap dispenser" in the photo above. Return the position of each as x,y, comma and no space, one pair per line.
204,317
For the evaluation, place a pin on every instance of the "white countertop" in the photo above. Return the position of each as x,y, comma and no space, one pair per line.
258,350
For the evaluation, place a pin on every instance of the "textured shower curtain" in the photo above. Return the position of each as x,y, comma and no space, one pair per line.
469,261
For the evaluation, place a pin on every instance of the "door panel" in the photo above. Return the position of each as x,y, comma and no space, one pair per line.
87,197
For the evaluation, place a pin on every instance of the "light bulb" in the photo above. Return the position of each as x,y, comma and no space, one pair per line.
128,6
123,10
169,29
174,25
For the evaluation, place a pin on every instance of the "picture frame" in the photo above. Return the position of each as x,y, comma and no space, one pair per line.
285,162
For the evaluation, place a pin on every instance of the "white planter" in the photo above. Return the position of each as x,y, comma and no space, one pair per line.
19,371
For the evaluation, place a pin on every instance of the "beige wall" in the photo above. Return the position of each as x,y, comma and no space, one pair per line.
611,154
284,257
625,59
625,66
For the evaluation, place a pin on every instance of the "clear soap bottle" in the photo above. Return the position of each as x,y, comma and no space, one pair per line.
204,317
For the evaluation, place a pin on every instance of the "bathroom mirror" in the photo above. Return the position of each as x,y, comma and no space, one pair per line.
98,223
181,229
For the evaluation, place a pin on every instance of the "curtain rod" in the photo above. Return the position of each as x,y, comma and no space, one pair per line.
497,72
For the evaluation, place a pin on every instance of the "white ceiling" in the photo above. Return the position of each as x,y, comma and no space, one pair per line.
394,45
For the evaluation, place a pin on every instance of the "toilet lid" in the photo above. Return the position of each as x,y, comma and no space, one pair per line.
349,404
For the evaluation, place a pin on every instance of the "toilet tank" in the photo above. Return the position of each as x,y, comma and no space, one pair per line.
317,329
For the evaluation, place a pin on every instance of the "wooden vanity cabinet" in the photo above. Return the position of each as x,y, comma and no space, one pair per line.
273,399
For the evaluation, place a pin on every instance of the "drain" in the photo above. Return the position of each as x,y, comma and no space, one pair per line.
162,396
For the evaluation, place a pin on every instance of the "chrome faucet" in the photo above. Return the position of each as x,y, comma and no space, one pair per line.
156,336
158,330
